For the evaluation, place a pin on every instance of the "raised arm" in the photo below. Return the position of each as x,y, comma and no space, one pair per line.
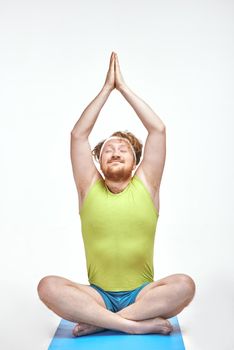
84,169
86,122
153,161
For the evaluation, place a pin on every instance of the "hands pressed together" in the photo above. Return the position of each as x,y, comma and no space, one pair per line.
114,78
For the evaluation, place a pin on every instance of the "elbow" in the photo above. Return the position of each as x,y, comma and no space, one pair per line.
78,135
73,134
161,128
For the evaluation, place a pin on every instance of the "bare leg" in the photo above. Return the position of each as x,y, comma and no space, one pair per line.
68,301
72,304
164,298
157,302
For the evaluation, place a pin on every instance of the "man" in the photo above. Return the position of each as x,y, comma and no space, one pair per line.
119,213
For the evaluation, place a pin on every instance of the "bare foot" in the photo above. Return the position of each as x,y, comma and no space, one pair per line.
154,325
84,328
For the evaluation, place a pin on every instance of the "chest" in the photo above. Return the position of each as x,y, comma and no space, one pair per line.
154,193
118,217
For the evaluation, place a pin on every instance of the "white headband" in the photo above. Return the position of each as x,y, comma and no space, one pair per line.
117,137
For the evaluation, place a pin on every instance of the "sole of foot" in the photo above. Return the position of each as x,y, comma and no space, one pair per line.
154,325
84,329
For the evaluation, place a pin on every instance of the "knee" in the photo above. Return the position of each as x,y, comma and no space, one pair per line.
188,285
46,287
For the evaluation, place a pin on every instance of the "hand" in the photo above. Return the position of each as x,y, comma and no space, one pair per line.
110,77
119,82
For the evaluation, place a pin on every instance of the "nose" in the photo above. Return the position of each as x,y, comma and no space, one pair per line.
115,158
115,155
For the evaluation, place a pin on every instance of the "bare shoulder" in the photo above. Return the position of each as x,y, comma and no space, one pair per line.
154,192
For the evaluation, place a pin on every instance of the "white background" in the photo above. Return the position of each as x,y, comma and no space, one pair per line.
178,57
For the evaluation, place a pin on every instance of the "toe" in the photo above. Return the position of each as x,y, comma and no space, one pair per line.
76,330
82,332
169,327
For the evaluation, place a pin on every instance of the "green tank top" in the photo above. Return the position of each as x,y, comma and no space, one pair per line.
118,232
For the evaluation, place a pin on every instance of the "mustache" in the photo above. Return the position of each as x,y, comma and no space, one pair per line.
115,160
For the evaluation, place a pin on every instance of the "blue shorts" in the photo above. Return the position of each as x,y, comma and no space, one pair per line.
116,301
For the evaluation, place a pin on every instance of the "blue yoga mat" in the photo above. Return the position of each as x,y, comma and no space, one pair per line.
116,340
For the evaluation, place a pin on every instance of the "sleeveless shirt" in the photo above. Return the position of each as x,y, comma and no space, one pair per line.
118,231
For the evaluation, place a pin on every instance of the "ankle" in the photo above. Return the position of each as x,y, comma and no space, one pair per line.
134,327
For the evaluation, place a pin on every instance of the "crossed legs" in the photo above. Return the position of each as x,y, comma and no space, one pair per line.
163,298
156,302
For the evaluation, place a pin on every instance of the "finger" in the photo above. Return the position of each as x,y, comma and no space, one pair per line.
111,59
117,61
112,65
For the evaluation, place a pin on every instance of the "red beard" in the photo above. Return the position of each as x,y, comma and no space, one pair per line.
120,174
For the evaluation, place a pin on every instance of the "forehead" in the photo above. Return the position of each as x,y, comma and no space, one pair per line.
116,143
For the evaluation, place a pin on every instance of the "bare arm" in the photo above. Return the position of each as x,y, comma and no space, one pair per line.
154,155
84,169
85,123
149,118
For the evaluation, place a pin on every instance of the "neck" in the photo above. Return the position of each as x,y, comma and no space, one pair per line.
117,186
